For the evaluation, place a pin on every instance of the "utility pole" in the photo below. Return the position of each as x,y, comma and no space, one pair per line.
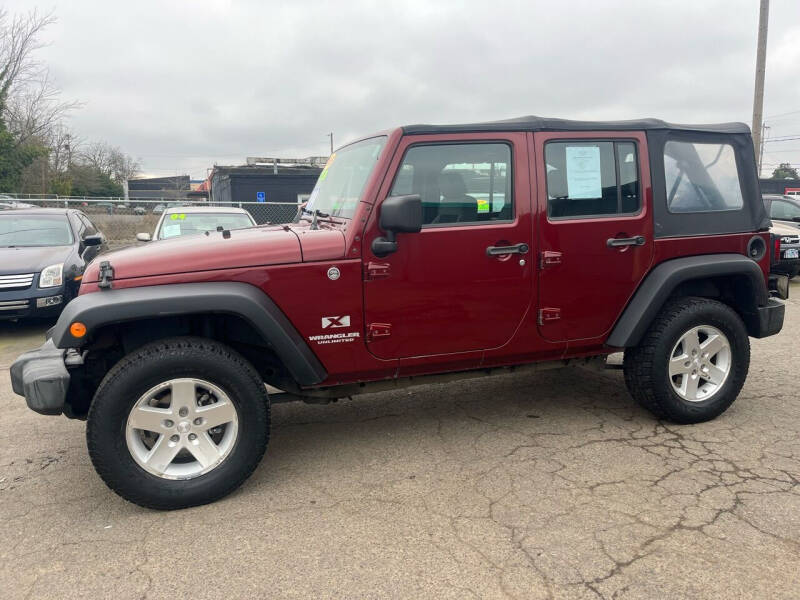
330,135
764,129
761,59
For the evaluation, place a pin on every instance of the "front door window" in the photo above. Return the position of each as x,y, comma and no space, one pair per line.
460,184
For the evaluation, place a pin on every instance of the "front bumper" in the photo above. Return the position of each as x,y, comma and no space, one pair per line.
42,377
770,318
27,303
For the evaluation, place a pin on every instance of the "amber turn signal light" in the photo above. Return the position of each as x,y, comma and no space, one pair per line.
77,329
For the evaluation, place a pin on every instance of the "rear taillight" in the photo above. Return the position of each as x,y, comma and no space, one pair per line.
776,248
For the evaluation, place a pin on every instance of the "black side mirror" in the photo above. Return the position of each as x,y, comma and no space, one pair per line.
399,214
94,239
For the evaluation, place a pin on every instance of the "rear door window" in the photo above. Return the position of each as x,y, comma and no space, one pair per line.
701,177
591,178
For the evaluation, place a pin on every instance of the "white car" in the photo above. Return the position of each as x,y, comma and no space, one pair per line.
187,220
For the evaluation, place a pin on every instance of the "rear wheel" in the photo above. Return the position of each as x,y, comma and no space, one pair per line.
691,364
178,423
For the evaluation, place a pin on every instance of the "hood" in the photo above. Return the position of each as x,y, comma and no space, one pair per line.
31,260
783,229
321,244
251,247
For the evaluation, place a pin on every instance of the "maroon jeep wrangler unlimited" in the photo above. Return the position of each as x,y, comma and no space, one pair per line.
423,252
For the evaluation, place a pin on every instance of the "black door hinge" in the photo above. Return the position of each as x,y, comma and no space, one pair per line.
377,270
378,330
549,258
546,315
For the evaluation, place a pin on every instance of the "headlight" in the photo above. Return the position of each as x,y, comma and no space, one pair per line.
51,276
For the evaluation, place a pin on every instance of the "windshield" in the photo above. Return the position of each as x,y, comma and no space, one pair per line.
187,223
34,230
342,181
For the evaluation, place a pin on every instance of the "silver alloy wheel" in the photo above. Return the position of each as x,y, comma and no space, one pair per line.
700,363
182,428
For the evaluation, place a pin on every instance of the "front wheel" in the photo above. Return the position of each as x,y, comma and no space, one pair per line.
691,364
178,423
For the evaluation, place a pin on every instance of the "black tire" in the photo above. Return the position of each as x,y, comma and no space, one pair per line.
149,366
646,366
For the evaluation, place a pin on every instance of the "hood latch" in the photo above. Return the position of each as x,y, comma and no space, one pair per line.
106,275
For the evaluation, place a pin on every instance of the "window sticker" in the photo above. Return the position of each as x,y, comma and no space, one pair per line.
177,216
171,230
583,172
483,205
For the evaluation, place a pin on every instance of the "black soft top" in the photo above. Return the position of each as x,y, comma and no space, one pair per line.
534,123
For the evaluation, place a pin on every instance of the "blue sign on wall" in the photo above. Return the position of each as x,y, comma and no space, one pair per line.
261,197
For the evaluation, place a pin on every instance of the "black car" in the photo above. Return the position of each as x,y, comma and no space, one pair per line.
43,253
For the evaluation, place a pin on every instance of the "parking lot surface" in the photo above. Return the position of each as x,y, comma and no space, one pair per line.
551,485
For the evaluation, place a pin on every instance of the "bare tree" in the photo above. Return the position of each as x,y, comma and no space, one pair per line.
98,155
32,120
124,166
64,147
30,105
111,161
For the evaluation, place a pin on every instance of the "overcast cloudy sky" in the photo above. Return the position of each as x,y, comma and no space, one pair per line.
185,84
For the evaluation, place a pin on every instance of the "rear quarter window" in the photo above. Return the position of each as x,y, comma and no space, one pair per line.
701,177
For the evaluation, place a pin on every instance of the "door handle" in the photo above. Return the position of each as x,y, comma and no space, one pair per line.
621,242
501,250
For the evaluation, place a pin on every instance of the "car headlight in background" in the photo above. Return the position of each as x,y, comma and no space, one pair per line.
52,276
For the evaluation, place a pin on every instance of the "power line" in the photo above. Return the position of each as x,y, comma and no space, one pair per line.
784,138
791,112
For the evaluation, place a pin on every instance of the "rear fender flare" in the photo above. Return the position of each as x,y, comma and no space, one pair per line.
98,309
662,281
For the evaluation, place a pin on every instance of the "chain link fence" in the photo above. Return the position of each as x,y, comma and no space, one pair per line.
120,219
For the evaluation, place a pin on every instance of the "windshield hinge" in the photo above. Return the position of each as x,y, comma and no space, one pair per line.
106,275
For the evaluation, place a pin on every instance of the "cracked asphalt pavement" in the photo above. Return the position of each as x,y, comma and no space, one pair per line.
550,485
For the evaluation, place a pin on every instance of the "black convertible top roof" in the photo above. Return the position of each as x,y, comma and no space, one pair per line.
534,123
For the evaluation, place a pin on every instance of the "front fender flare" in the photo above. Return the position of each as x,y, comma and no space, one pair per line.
98,309
662,281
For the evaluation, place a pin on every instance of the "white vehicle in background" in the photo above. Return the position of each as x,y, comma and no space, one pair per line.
187,220
9,203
